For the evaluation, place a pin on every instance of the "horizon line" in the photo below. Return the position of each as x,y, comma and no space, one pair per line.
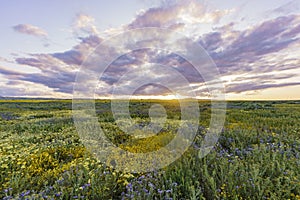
166,99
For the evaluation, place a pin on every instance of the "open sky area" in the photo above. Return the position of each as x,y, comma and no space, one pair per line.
254,44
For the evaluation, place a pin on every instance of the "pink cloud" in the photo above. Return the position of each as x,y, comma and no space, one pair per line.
30,30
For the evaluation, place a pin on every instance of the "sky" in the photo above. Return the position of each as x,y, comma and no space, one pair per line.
253,44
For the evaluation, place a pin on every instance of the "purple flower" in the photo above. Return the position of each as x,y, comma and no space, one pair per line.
60,181
58,194
130,195
23,194
141,177
129,187
230,140
145,190
150,185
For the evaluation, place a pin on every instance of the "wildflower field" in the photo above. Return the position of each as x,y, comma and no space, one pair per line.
257,155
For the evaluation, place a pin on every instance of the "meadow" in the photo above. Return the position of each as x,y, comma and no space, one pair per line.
257,155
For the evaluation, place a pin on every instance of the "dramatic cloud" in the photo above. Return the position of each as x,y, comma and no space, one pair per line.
177,15
253,58
54,73
17,88
57,70
30,30
241,51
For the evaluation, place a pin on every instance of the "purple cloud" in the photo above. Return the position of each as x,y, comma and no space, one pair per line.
251,45
251,86
287,8
30,30
177,15
234,51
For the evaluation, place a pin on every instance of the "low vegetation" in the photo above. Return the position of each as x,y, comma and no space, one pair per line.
257,155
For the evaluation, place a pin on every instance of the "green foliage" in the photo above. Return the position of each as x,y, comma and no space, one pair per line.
257,155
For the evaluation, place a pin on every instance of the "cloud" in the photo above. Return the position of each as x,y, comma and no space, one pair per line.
264,77
251,86
70,57
9,72
212,41
85,24
249,55
288,8
19,88
57,70
30,30
54,73
177,15
245,51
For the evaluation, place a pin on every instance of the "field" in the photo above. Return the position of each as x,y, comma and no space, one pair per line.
257,155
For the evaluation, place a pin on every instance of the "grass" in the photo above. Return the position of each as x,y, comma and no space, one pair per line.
257,155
